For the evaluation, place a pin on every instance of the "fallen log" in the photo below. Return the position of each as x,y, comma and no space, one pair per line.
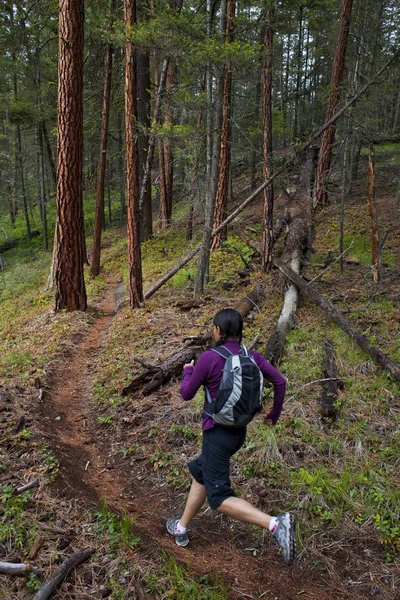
295,245
151,379
19,569
331,384
62,572
377,355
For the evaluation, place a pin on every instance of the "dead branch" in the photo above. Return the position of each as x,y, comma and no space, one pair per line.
377,355
19,569
62,572
28,486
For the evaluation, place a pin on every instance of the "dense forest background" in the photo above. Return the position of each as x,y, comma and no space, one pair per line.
159,161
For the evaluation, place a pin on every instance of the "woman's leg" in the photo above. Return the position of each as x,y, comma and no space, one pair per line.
240,509
195,501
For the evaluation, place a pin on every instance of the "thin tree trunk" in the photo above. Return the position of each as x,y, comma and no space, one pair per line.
168,145
101,171
49,152
156,119
22,179
342,201
299,71
42,187
267,137
143,107
70,283
221,202
373,214
132,177
325,153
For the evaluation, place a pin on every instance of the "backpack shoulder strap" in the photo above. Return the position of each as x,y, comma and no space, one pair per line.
222,351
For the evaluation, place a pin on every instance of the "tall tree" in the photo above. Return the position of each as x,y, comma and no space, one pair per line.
99,216
221,201
267,135
70,283
132,167
325,152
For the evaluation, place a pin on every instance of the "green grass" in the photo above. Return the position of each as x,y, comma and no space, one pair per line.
179,585
115,530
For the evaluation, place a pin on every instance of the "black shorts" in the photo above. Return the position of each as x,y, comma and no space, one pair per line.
211,468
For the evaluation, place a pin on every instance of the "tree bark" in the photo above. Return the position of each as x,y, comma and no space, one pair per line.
105,112
325,153
132,172
70,284
377,355
267,137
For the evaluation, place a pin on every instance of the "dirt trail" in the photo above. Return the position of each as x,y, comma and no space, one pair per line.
85,472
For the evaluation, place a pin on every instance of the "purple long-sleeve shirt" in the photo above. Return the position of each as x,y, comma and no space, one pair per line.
208,371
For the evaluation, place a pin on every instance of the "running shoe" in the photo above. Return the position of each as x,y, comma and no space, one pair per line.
181,539
284,537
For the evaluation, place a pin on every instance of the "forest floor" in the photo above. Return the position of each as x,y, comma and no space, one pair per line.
112,469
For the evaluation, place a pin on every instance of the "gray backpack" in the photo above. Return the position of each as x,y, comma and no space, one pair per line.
239,396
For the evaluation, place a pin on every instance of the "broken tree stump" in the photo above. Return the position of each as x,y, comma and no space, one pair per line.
331,383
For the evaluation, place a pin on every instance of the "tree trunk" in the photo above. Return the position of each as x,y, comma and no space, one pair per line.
325,153
22,179
49,153
212,159
132,172
70,283
105,112
221,201
377,355
42,187
168,144
299,71
376,259
267,137
143,108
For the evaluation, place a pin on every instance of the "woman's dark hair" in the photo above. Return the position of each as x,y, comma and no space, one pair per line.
230,323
